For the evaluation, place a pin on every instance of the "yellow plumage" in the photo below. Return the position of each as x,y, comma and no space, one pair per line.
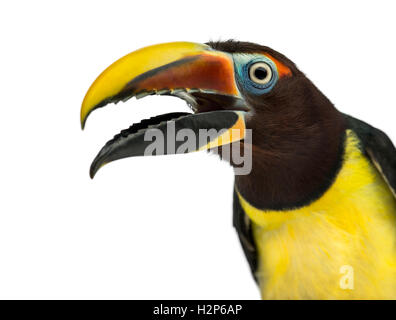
304,253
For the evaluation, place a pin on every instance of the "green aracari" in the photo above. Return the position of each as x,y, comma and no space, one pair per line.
315,214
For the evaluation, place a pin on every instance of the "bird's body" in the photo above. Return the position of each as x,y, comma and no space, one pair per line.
316,211
352,224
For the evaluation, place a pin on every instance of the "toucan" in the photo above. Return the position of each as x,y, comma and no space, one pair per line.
315,213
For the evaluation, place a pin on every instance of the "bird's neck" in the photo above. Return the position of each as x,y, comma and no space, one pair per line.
296,242
294,162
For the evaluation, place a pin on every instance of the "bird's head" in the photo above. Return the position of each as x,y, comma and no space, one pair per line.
228,85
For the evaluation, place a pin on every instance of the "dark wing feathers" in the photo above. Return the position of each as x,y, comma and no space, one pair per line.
243,226
378,147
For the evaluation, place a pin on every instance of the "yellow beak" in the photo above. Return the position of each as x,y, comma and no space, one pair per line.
167,66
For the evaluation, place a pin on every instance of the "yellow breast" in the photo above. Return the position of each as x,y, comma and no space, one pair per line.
341,246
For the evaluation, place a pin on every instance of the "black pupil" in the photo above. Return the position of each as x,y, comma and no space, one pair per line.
260,73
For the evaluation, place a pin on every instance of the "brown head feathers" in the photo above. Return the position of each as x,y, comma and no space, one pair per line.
298,138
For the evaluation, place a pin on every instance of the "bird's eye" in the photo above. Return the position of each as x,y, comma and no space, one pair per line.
260,73
256,73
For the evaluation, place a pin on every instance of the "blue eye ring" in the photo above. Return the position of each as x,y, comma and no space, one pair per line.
262,87
244,67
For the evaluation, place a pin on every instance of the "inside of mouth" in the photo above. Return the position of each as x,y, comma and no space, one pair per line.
199,101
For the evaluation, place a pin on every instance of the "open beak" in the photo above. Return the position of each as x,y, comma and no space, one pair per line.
201,76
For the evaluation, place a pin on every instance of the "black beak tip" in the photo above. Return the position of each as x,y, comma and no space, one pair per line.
82,123
100,160
95,166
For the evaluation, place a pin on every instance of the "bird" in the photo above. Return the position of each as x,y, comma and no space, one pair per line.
315,214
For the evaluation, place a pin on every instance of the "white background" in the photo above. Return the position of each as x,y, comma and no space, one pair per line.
149,227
